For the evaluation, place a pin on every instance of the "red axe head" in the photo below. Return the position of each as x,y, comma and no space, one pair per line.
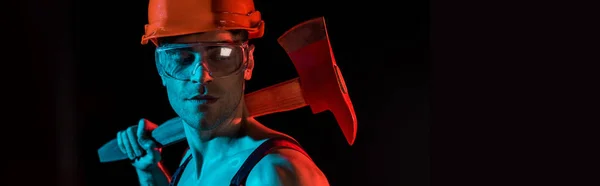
307,45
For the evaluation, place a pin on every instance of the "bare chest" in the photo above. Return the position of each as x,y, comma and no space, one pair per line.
212,173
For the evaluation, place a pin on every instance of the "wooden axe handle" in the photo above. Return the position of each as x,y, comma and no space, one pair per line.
280,97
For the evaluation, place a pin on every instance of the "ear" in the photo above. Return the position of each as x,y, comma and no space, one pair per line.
249,64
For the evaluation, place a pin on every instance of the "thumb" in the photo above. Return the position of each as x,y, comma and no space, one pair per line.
151,150
148,144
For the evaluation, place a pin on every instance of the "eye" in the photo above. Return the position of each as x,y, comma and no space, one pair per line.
184,57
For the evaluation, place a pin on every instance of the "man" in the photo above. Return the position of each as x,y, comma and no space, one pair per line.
203,58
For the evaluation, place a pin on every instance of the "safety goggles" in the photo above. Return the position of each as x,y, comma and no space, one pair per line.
182,61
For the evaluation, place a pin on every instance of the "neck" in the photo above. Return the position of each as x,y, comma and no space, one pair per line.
213,145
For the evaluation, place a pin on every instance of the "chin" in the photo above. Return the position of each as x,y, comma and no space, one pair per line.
192,119
199,121
192,123
208,126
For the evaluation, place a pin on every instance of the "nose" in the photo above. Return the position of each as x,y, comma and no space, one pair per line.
199,75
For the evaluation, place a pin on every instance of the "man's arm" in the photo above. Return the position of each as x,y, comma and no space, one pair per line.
286,167
154,176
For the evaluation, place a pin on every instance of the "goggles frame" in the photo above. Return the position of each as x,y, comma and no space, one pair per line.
202,63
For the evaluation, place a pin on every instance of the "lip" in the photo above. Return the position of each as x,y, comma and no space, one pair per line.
207,99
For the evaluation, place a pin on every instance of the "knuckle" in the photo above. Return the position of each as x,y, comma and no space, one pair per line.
130,129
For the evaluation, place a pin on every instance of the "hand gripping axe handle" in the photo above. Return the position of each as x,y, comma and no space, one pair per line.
319,85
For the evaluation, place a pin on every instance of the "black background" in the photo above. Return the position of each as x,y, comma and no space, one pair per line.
117,84
445,93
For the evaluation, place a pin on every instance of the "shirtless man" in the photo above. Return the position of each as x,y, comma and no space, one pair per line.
204,70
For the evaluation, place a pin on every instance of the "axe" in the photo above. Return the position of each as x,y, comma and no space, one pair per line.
319,85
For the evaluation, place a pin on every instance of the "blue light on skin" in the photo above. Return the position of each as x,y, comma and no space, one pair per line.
221,134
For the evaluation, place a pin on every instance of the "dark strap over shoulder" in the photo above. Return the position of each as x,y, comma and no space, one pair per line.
264,149
177,175
261,151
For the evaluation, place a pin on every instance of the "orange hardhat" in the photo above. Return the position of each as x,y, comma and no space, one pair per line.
181,17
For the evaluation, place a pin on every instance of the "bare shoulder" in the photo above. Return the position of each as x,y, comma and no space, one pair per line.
282,167
286,167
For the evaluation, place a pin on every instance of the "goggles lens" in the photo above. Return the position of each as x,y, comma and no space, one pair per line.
181,61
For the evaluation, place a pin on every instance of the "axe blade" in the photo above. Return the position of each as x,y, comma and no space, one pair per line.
323,86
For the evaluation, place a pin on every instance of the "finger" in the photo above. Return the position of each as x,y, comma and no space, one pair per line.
152,151
147,144
120,143
135,146
127,145
140,129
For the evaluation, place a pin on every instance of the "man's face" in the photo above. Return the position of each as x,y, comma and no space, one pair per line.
203,101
